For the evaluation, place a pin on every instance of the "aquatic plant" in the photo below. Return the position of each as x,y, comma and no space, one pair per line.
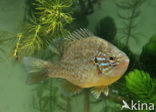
142,86
5,39
129,11
1,49
51,14
137,85
87,6
48,97
43,26
104,104
110,106
149,50
81,9
106,29
46,20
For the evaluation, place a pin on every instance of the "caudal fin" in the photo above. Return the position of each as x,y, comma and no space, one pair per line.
38,69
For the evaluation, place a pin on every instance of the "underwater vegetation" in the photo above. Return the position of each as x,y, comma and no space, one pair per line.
41,26
83,8
2,42
5,39
48,20
48,98
141,85
149,50
128,12
106,29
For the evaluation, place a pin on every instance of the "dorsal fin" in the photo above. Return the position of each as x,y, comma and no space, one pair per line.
59,45
80,34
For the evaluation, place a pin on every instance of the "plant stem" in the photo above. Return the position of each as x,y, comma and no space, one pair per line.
86,106
17,45
130,24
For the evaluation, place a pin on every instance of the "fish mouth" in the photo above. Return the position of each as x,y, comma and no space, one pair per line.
127,60
121,68
124,63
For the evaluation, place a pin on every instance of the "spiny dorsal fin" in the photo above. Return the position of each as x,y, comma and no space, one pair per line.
80,34
59,45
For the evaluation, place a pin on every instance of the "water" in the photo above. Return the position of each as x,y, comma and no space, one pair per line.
16,96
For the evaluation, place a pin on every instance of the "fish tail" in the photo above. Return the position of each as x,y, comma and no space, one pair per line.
38,69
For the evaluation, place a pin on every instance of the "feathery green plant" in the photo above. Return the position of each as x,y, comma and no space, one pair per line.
137,86
142,86
48,98
52,16
129,12
5,39
47,22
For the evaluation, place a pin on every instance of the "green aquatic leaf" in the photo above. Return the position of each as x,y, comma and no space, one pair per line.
142,85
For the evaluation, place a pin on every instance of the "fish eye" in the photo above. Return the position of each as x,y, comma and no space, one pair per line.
111,58
95,60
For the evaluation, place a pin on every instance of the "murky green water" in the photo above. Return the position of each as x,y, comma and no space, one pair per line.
16,96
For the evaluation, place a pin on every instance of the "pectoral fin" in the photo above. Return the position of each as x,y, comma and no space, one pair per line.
70,88
97,91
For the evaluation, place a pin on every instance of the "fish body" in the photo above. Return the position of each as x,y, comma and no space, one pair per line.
88,61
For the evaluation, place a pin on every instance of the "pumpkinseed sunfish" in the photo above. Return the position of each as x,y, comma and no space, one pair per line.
87,62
